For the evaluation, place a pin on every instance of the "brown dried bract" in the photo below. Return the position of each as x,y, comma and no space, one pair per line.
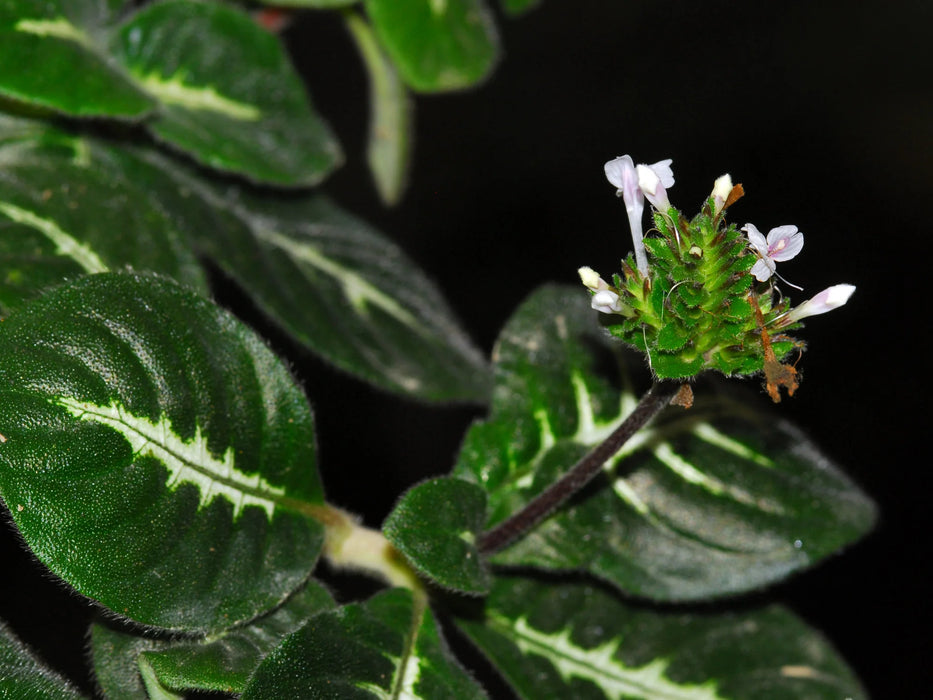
683,397
777,375
734,196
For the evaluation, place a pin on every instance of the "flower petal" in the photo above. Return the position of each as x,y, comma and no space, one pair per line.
756,239
784,242
763,269
621,174
606,301
663,170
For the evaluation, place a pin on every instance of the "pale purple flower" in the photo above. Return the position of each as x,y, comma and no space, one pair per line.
626,178
782,243
827,300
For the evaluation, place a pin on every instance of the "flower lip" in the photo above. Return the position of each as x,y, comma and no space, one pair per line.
606,301
782,244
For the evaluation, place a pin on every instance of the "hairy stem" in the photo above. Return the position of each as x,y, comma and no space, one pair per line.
349,545
580,475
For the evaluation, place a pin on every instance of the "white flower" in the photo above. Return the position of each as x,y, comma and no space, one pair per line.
722,188
827,300
604,299
651,183
626,178
783,243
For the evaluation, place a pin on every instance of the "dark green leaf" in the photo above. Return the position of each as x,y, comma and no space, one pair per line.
224,663
61,216
352,295
390,107
22,675
435,525
334,283
230,98
117,671
715,500
437,44
51,59
577,641
387,647
156,455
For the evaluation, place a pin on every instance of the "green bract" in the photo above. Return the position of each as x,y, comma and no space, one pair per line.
699,308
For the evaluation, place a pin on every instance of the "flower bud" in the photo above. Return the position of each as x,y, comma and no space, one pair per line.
827,300
721,190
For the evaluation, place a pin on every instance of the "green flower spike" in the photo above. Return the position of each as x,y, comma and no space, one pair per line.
701,297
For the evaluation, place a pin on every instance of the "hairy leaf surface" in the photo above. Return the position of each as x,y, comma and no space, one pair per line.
22,675
126,664
62,215
436,525
155,454
571,640
387,647
717,499
331,281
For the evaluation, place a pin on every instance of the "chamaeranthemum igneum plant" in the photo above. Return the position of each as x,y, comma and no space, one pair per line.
159,459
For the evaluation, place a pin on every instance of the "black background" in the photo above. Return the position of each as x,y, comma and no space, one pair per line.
822,110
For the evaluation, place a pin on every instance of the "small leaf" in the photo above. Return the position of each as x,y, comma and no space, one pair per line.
50,60
387,647
22,675
390,132
230,98
157,456
223,663
437,45
577,641
62,216
435,525
719,499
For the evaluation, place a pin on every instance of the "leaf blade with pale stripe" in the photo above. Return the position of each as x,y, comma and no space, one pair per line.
157,456
716,500
576,640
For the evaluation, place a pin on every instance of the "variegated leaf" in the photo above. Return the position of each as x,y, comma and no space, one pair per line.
155,454
571,640
129,666
388,647
717,499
